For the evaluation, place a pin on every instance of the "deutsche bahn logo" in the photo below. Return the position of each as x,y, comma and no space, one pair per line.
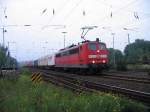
36,77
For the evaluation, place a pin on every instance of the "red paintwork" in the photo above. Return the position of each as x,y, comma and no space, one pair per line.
94,52
82,56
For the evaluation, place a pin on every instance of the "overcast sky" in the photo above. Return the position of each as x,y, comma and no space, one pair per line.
48,17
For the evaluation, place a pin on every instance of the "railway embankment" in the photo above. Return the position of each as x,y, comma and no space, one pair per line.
23,95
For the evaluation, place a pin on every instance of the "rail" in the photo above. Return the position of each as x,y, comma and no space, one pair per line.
127,78
79,85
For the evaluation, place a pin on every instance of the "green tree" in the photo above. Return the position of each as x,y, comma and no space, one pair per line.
138,52
3,56
5,59
116,55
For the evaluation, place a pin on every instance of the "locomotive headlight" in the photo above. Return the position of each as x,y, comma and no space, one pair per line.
93,61
98,51
104,61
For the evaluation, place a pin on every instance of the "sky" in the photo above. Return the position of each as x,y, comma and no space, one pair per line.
49,18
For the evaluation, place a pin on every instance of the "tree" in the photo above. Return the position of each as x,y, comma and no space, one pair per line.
138,52
5,59
118,56
3,56
119,59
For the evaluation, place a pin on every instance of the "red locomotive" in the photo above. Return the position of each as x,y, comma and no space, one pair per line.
88,56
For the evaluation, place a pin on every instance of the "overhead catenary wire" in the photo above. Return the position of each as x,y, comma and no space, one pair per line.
68,14
54,13
104,3
133,12
118,10
105,17
131,3
72,10
134,23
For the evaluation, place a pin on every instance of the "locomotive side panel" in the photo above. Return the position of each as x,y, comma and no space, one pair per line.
83,54
68,58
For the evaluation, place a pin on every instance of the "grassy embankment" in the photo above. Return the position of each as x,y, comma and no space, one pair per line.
144,67
23,96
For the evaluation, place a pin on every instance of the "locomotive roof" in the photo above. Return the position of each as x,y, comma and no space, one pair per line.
73,46
68,48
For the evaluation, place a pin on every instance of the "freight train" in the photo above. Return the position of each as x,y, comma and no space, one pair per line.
86,57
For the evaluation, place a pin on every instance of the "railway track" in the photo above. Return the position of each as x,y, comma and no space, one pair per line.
126,78
76,84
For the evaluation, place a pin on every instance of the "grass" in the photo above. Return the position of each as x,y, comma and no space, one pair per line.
145,67
23,96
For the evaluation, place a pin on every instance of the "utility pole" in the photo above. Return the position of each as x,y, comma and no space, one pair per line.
129,29
128,38
114,61
3,31
64,38
3,37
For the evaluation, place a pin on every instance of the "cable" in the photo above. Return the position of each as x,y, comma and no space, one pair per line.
120,9
104,3
71,11
59,10
105,17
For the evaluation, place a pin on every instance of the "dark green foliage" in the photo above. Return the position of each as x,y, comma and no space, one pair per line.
118,56
128,106
119,59
5,59
121,66
3,56
138,52
135,53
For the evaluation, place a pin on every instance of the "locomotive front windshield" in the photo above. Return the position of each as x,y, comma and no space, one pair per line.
102,46
92,46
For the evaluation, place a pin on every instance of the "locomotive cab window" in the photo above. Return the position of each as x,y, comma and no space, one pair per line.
74,51
58,55
92,46
102,46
